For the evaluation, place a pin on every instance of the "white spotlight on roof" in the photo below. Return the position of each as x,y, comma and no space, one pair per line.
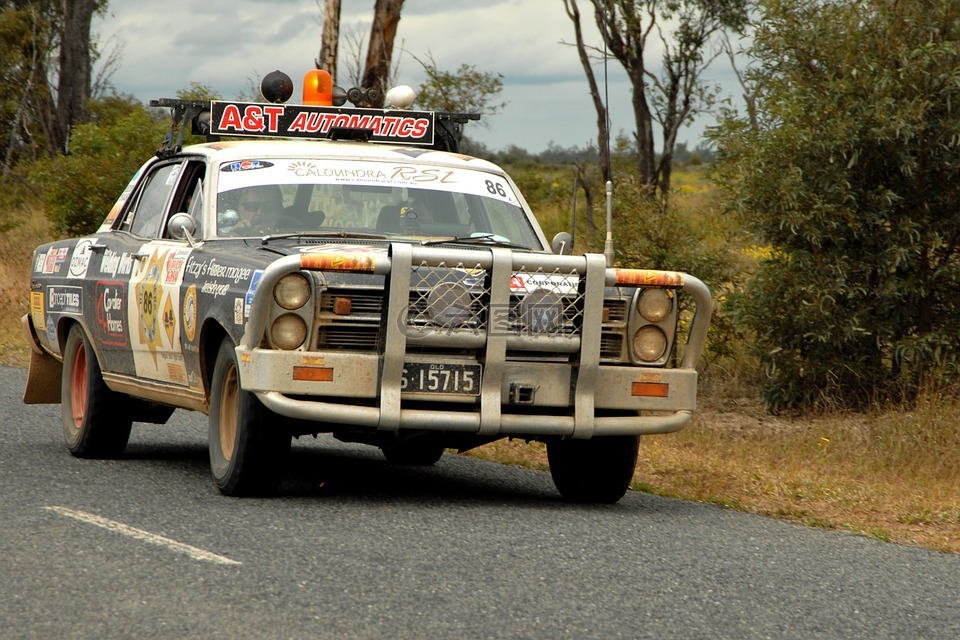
401,97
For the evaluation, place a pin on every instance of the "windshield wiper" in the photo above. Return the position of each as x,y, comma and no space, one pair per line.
481,239
322,234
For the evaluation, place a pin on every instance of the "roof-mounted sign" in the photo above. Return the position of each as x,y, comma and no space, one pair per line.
320,122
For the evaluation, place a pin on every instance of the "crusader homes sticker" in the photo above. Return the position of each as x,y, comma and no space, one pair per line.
111,323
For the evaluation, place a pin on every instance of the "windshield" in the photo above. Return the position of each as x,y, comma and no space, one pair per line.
260,197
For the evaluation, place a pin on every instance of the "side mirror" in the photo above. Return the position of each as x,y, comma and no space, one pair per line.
181,226
562,243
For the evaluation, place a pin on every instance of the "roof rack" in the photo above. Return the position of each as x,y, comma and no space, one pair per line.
216,118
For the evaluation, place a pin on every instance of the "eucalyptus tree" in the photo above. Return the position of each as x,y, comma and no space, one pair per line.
671,94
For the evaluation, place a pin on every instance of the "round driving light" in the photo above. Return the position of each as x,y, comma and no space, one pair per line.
448,304
292,292
288,331
655,304
541,311
649,343
276,87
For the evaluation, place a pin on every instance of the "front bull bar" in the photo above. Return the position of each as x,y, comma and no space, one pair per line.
502,264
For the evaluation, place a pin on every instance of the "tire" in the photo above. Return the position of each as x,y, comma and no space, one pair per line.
598,470
249,445
420,452
96,423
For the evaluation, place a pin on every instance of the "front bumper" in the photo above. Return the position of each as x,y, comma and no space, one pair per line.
522,398
350,395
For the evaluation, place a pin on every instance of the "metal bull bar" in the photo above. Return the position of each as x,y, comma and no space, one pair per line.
500,264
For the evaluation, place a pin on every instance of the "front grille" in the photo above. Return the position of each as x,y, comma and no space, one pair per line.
543,315
448,298
351,338
611,346
362,301
350,319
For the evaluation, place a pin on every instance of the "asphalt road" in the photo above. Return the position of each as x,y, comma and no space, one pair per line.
145,547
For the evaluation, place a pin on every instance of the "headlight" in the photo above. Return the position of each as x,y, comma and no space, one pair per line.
292,292
649,343
288,331
655,304
448,304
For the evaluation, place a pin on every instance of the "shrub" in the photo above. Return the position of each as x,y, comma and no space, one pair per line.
850,175
80,188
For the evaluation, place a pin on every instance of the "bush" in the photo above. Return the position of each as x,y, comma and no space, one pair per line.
850,177
682,234
80,188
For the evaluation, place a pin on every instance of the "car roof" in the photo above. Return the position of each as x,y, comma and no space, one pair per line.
234,150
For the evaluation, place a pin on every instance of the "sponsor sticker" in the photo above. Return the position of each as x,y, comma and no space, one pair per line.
305,121
36,310
61,299
190,312
175,265
169,319
116,264
248,299
51,261
110,313
80,261
246,165
238,310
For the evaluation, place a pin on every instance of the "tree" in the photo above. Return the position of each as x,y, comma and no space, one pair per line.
375,69
386,16
850,178
330,14
44,39
465,90
603,120
73,89
29,35
678,94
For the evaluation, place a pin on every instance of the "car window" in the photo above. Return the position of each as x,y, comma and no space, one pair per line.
147,213
189,195
195,206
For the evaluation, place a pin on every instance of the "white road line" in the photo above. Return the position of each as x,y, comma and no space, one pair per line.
143,536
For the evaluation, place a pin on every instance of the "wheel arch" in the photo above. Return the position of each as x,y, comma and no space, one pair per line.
211,337
64,326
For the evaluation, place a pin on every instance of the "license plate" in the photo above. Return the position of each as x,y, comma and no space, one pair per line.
426,377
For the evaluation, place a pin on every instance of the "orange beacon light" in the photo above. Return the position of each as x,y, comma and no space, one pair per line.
318,88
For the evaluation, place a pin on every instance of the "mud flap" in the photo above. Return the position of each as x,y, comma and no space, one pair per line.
43,379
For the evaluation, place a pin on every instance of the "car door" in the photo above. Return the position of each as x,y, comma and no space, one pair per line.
153,291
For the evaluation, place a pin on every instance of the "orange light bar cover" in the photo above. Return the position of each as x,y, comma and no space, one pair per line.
651,389
313,374
337,262
649,278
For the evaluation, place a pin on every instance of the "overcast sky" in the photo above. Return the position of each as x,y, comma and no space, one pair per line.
164,46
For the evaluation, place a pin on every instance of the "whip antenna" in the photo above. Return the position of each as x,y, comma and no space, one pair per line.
608,244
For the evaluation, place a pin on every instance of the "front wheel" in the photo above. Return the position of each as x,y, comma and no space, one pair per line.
96,423
249,445
598,470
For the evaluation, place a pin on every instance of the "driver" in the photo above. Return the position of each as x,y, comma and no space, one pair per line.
258,209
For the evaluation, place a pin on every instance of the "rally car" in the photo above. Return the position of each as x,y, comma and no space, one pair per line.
324,269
